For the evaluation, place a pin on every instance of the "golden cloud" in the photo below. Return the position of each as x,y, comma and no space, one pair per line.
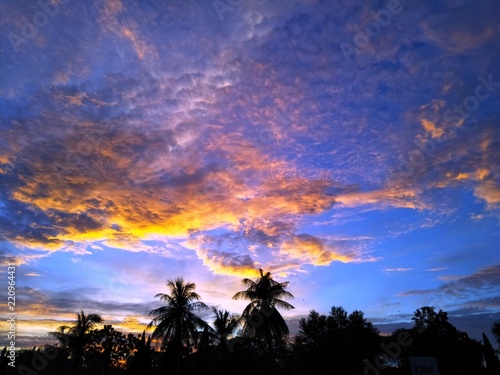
482,173
388,197
432,129
125,201
488,191
305,248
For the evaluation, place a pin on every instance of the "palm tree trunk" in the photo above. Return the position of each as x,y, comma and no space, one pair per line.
271,355
178,354
178,371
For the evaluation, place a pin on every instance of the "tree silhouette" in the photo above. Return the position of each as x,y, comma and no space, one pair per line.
495,329
434,336
492,362
225,323
215,352
77,336
141,362
176,323
261,317
264,329
427,317
109,348
338,341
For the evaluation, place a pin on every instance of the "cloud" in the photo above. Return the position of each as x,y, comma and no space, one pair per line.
436,269
135,201
264,244
32,274
431,128
228,263
102,191
307,249
384,198
486,280
453,31
18,259
488,191
164,146
400,269
130,242
37,304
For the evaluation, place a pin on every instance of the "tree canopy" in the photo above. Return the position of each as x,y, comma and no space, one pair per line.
257,341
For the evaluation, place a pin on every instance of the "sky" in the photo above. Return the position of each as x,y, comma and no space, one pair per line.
348,147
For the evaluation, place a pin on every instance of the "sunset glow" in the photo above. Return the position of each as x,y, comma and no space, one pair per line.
348,147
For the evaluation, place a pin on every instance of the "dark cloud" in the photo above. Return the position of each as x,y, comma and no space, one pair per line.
485,280
71,301
7,259
24,222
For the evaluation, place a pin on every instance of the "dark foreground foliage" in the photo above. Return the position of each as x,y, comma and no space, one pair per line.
254,343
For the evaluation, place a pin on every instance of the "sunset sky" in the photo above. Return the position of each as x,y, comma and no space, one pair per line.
349,147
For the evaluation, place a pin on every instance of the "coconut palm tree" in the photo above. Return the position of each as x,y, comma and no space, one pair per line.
261,317
77,336
176,323
225,323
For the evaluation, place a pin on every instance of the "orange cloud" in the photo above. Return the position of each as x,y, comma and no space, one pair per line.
387,197
139,47
98,192
482,173
458,176
431,128
488,191
129,324
113,16
304,248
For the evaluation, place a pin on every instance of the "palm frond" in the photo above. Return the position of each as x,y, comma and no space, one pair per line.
280,292
249,283
244,294
283,304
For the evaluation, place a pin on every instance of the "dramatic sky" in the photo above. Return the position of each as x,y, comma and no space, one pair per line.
349,147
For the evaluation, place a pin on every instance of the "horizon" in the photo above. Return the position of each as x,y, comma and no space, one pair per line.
350,148
472,327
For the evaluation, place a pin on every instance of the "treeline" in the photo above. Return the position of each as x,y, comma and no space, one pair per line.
255,342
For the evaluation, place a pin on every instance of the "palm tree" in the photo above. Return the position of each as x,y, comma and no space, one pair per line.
261,317
77,336
225,323
176,323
